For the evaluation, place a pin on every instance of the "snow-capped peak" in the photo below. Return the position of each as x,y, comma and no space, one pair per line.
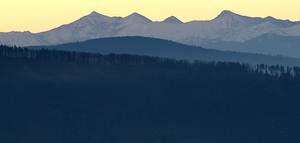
173,20
93,18
270,18
96,15
227,13
137,18
228,19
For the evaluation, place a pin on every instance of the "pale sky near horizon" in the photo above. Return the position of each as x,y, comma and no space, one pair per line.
42,15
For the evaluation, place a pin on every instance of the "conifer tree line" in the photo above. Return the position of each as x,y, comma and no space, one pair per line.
56,96
92,58
79,57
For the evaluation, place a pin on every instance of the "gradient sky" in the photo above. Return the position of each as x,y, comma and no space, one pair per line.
41,15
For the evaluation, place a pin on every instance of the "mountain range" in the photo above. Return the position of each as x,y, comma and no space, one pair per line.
228,31
146,46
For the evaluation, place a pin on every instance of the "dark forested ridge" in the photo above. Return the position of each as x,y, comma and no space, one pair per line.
55,96
168,49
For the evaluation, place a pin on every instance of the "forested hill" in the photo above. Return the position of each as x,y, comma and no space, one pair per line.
57,97
168,49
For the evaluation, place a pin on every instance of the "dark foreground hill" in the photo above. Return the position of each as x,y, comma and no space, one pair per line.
60,97
169,49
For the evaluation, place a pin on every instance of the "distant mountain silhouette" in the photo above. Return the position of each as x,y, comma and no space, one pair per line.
173,20
168,49
226,27
136,18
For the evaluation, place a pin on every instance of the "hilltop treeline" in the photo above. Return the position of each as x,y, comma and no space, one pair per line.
55,96
89,58
164,48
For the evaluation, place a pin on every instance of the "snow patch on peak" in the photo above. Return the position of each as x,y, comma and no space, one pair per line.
94,13
227,13
173,20
137,18
270,18
228,19
93,19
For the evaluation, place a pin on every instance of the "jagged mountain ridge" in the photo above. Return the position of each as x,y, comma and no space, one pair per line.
173,20
227,26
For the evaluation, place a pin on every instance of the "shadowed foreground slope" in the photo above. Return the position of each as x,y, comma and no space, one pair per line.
60,97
